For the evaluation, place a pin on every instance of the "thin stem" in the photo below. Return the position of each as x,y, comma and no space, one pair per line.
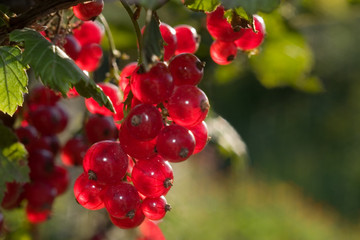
113,51
137,28
5,18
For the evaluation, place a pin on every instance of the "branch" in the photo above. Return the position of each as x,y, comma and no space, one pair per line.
35,12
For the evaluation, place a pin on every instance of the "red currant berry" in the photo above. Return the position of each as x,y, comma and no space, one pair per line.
49,120
110,90
153,177
220,28
169,35
40,195
136,148
72,47
35,215
89,57
186,68
223,53
106,162
89,10
155,208
41,163
74,151
126,72
200,132
188,105
12,195
251,40
42,95
60,179
27,135
50,143
87,192
99,128
89,32
187,39
175,143
150,230
126,223
154,86
144,122
121,200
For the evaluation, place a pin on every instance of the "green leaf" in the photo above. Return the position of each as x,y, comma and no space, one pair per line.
13,79
13,164
202,5
55,68
153,49
252,6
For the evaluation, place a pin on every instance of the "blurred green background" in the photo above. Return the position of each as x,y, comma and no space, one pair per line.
295,172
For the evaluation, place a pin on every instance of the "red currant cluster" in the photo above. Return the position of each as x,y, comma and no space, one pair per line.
227,41
131,177
44,118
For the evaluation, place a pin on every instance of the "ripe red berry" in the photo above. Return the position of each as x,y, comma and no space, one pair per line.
106,162
35,215
42,95
169,35
186,68
99,128
175,143
188,105
126,223
74,151
59,179
121,200
220,28
154,86
89,57
41,163
200,132
153,177
12,195
250,39
72,46
155,208
110,90
87,192
134,147
144,122
187,39
26,135
89,32
40,195
223,53
50,143
126,72
89,10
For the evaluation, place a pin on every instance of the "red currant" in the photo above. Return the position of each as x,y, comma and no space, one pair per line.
126,72
72,46
89,10
121,200
60,179
220,28
41,163
187,39
89,57
40,195
223,53
99,128
186,68
89,32
35,215
126,223
200,132
74,151
175,143
154,86
153,177
144,122
188,105
169,35
12,195
251,40
106,162
87,192
155,208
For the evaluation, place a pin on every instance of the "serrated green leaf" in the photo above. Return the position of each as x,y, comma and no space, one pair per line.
153,42
202,5
252,6
55,68
13,164
13,79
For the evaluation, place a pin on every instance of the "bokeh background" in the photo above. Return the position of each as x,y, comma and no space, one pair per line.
284,159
